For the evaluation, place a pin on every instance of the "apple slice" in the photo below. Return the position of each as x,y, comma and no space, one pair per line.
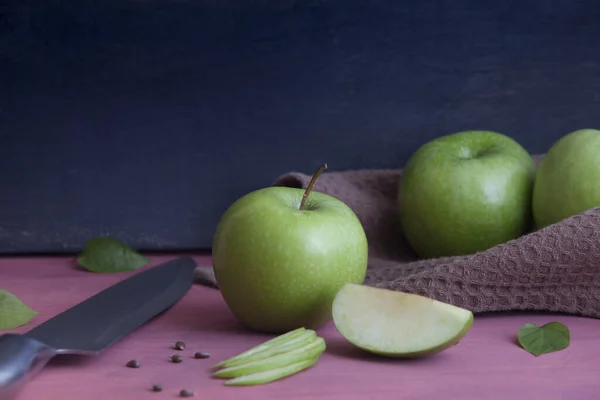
306,338
397,324
260,378
308,352
277,340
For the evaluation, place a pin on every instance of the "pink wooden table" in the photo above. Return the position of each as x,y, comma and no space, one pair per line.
487,364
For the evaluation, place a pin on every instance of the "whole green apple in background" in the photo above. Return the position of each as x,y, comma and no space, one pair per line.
466,192
568,178
279,265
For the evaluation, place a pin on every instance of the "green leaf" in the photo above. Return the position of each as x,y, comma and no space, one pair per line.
13,312
109,255
548,338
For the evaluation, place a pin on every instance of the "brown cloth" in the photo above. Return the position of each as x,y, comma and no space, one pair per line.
555,269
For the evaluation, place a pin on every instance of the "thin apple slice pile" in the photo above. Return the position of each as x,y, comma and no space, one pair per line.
397,324
307,338
272,360
263,346
261,378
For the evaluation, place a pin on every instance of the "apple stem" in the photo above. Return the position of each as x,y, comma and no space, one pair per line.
309,188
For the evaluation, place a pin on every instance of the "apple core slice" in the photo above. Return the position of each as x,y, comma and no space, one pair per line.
397,324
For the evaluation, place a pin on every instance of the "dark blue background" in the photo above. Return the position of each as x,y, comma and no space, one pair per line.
145,119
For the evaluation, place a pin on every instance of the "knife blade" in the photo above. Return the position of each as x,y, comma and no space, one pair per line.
94,324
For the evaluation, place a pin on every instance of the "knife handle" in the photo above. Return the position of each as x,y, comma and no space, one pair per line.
21,357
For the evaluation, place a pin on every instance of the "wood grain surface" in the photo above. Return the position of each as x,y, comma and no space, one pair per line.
486,364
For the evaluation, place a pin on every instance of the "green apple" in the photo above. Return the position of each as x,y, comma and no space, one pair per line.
310,351
466,192
568,178
308,337
261,378
280,255
398,324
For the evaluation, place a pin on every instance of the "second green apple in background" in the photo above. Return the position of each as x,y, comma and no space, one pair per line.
466,192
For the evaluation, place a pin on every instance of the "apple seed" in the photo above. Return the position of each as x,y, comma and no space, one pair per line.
176,358
179,345
157,388
133,364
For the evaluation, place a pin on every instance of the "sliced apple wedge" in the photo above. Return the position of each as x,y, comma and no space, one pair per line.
261,378
308,352
265,345
397,324
306,338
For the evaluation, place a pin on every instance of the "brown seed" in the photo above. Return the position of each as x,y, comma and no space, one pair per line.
176,358
201,354
180,345
186,393
133,364
157,388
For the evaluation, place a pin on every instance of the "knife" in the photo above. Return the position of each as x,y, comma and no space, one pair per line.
93,325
